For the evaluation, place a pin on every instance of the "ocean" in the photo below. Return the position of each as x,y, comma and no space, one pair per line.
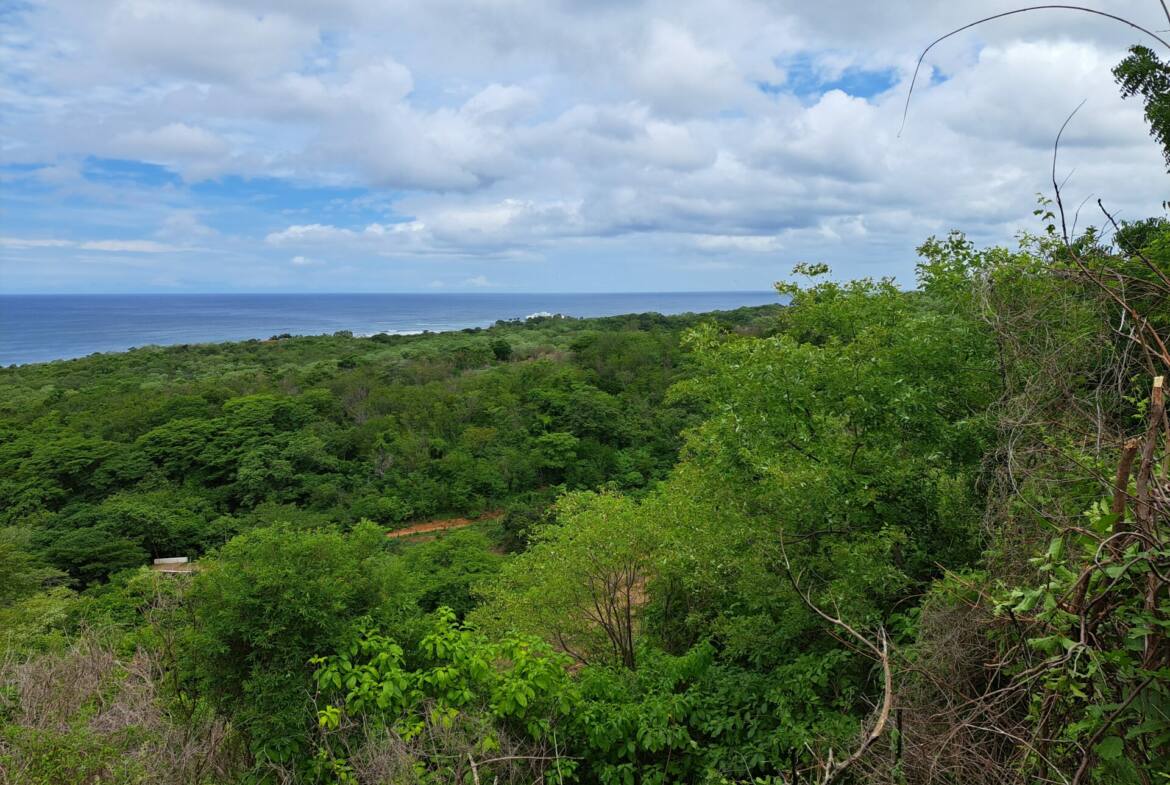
44,327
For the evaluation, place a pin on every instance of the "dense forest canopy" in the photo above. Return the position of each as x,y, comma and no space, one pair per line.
871,535
696,515
115,459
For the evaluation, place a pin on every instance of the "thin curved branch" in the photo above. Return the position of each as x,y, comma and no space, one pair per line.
957,30
881,650
1055,186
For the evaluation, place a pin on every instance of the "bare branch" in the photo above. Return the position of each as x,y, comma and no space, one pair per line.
1056,187
957,30
881,650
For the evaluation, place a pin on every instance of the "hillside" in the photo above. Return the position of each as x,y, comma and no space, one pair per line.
876,535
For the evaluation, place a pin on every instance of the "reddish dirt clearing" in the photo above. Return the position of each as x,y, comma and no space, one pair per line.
442,524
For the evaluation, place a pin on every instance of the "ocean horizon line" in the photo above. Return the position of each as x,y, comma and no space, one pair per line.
429,292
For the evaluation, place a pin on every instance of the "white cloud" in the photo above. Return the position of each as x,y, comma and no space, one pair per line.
172,141
469,228
128,246
114,246
749,243
678,75
184,226
197,39
314,234
22,242
501,103
196,152
564,131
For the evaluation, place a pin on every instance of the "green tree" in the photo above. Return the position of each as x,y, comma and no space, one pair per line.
582,581
443,573
263,605
91,554
502,350
1145,74
21,571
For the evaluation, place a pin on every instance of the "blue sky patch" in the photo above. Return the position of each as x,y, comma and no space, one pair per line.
116,171
807,80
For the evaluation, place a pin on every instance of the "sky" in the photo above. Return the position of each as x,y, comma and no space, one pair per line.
567,145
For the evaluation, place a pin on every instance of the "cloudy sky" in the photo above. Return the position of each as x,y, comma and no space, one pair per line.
506,145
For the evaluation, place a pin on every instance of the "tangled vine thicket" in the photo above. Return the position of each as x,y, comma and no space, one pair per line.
1056,668
1052,667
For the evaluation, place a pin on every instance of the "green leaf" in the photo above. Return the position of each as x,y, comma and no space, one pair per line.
1110,748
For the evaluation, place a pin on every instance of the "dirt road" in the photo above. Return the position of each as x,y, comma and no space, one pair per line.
441,524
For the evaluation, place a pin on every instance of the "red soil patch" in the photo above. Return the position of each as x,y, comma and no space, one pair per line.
442,524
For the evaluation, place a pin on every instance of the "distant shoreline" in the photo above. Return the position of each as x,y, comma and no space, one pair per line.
42,328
